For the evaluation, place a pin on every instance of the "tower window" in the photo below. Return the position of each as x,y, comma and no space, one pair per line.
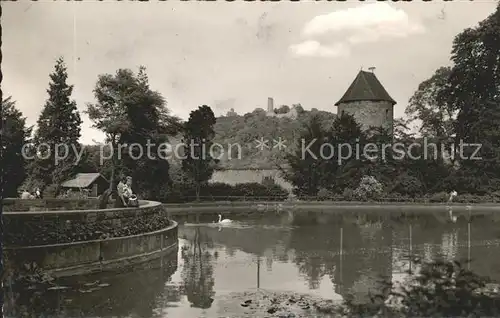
342,114
387,114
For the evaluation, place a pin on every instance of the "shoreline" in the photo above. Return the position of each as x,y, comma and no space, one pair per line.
332,207
336,203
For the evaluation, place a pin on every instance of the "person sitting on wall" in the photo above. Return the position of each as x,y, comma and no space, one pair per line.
124,189
131,197
122,193
26,195
38,193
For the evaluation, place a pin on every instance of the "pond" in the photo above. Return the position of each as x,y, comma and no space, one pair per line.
320,253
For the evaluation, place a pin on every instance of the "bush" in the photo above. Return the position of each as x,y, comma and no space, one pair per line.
440,289
439,197
348,194
73,195
259,190
473,198
51,191
268,181
496,195
409,186
368,188
464,198
224,191
325,194
398,197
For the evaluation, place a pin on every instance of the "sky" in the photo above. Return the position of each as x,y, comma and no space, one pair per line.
229,54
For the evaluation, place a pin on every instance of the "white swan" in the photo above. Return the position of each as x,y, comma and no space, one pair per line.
225,221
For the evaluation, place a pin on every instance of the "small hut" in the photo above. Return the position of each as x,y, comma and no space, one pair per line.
92,183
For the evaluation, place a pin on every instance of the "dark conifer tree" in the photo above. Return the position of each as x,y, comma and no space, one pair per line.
15,135
58,124
307,164
198,135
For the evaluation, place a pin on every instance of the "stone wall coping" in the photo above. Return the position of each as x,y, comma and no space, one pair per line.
173,225
145,205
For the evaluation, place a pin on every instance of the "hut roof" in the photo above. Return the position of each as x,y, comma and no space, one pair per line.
82,180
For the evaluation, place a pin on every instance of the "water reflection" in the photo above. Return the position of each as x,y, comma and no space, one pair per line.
119,295
197,271
327,254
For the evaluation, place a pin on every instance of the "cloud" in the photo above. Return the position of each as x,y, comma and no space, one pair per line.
361,24
377,19
314,48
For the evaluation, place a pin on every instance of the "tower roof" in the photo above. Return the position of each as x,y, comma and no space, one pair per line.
366,87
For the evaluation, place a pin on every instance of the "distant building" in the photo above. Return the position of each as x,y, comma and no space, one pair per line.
94,183
368,102
231,113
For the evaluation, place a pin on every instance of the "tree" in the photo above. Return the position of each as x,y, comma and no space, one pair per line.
129,112
473,91
479,172
151,124
307,166
298,107
198,135
437,124
15,135
436,118
346,167
109,114
58,127
282,110
474,79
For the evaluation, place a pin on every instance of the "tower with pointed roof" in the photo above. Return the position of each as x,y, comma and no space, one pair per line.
368,102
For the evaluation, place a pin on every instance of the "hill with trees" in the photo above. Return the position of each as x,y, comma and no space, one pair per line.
245,130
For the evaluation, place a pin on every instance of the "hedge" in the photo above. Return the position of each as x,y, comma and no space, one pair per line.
226,192
440,197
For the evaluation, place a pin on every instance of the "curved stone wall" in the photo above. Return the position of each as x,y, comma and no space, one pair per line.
50,204
33,228
66,243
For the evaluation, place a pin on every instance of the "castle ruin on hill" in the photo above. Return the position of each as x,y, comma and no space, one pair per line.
292,113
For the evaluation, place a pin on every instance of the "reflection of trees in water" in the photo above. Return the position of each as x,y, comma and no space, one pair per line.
197,273
316,253
366,251
449,245
263,240
128,294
